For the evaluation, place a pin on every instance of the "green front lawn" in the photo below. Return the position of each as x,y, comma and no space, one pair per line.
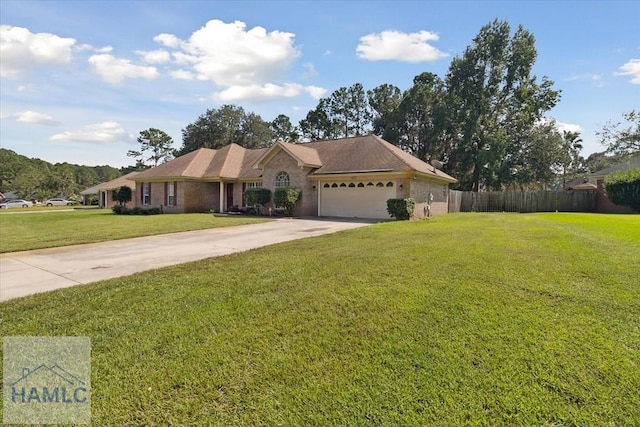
26,231
465,319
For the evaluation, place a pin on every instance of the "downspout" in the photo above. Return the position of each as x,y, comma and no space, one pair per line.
319,189
221,196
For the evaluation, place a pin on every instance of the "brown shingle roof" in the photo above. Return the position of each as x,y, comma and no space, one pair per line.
119,182
369,153
191,165
348,155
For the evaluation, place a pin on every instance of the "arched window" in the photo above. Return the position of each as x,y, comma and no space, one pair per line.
360,185
326,185
351,185
282,180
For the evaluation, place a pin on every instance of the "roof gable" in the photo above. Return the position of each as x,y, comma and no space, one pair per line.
302,153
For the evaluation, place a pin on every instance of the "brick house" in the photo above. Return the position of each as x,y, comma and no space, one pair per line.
603,204
104,190
349,177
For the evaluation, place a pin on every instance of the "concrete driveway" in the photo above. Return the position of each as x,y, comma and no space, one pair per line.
30,272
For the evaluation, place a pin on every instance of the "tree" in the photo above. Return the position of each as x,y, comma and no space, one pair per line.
421,119
121,195
495,102
343,114
318,124
282,129
155,141
570,160
620,139
384,101
228,124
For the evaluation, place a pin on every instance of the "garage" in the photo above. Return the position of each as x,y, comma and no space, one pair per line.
364,199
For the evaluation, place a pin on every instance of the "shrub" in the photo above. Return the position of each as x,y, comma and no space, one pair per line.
623,188
118,209
137,210
401,209
257,197
287,197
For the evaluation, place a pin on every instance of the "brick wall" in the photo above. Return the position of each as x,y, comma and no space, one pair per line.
282,161
604,205
419,190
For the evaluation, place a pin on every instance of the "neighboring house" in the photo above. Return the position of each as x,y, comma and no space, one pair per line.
350,177
603,204
104,190
86,194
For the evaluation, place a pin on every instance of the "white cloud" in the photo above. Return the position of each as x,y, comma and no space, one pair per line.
99,132
182,74
258,92
85,47
158,56
168,40
569,127
230,55
21,50
631,68
315,91
398,46
114,70
34,117
310,70
593,77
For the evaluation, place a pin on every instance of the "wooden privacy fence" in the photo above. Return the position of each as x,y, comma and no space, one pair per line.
522,201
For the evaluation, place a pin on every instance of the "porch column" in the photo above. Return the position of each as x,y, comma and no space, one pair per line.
221,196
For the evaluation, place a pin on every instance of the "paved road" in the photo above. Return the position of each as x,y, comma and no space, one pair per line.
30,272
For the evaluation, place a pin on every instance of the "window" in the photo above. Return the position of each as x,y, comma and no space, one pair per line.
326,185
343,185
146,193
253,185
361,185
389,184
171,193
282,179
351,185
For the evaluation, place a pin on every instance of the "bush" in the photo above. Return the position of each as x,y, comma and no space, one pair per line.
287,197
137,210
257,196
623,188
118,209
401,209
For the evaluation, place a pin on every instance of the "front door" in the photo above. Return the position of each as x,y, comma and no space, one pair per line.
229,195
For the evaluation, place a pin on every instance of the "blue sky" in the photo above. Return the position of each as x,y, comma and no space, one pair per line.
81,79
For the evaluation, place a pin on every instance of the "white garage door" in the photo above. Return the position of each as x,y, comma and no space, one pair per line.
356,199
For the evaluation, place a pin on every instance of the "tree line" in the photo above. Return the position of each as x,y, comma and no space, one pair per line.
40,180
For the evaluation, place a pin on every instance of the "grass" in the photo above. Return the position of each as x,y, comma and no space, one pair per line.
465,320
21,232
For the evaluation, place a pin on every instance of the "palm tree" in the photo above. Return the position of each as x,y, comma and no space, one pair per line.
571,159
